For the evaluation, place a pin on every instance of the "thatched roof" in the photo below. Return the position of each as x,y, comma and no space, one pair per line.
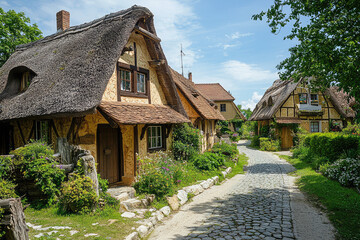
278,93
205,107
214,91
73,67
140,113
342,102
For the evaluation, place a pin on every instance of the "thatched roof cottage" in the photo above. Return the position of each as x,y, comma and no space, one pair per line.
202,112
103,85
289,102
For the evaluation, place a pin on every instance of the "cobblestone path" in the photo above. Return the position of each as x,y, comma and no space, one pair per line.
258,208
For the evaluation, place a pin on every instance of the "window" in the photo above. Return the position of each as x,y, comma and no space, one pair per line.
222,107
42,131
125,78
141,83
25,81
155,138
314,99
303,98
314,127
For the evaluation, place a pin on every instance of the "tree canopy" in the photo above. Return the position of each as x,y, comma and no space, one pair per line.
328,34
15,29
246,112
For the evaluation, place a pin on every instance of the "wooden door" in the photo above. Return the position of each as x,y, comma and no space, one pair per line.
108,152
286,138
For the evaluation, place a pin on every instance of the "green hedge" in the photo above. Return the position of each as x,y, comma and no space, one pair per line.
331,146
268,144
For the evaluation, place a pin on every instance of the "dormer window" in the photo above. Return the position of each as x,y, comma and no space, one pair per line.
133,81
314,99
25,81
125,78
270,101
141,83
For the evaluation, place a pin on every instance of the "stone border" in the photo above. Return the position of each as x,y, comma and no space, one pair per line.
174,202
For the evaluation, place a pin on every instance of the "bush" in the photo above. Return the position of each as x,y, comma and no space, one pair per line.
78,195
34,162
103,184
186,142
346,171
255,141
208,161
7,189
228,150
235,137
154,182
6,167
267,144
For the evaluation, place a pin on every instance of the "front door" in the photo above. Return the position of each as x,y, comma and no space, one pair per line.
108,153
286,138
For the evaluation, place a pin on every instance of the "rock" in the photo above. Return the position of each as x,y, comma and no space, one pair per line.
173,202
142,230
122,197
224,173
39,235
151,197
145,202
72,232
128,215
165,210
153,220
111,221
91,235
228,170
216,179
141,212
132,236
159,216
94,224
116,191
211,182
182,196
130,204
89,165
194,189
205,184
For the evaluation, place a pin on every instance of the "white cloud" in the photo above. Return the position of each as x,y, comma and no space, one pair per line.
251,102
226,46
237,35
244,72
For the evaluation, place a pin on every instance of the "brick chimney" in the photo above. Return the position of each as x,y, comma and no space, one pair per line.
62,20
190,76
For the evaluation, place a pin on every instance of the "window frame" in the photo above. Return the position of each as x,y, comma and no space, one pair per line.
162,135
125,80
133,78
25,81
314,102
306,97
318,126
38,129
221,107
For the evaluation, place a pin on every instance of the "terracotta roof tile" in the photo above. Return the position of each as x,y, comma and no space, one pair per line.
201,104
139,113
214,91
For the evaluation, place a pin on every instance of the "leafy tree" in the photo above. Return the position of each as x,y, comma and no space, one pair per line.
328,34
247,112
15,29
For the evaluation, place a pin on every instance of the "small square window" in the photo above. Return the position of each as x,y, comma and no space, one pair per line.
141,83
314,99
303,98
314,127
155,137
125,77
222,107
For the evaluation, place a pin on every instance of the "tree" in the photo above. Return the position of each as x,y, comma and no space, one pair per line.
15,29
246,112
328,34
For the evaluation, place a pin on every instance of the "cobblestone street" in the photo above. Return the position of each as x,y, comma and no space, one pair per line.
252,206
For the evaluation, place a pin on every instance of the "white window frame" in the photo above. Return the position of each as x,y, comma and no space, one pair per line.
138,81
153,135
125,80
315,122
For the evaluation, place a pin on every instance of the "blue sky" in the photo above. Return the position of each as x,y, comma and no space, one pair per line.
221,42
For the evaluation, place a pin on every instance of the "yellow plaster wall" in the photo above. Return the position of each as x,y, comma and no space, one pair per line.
231,112
128,153
25,126
191,112
134,100
110,93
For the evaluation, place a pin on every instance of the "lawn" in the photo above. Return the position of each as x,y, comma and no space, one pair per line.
342,204
108,224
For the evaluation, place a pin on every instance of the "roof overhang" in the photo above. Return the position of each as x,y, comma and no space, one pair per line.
288,120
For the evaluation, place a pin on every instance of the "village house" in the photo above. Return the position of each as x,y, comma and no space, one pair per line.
202,112
103,85
288,103
223,99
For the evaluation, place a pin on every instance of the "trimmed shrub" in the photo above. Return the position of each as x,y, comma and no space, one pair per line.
7,189
267,144
228,150
255,141
154,182
208,161
78,195
186,142
345,171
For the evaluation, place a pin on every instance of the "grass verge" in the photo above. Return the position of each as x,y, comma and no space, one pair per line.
342,204
107,223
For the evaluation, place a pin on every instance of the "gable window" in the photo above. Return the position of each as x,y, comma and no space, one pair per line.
222,107
25,81
314,99
314,127
133,81
155,138
125,78
303,98
42,131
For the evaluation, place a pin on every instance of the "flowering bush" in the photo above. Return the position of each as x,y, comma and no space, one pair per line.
158,174
235,137
186,142
7,189
77,195
345,171
268,144
228,150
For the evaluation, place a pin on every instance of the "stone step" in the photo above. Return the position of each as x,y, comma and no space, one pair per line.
131,204
116,192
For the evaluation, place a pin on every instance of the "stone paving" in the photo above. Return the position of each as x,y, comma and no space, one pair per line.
257,208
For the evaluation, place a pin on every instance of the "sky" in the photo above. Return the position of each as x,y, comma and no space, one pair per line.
222,44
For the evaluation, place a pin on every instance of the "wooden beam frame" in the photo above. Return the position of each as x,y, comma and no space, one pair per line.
21,132
147,34
112,123
32,130
143,131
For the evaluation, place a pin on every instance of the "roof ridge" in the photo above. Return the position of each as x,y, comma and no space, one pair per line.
84,26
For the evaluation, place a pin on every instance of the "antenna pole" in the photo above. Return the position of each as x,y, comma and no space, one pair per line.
182,65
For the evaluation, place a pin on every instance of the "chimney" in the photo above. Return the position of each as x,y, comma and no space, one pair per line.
62,20
190,76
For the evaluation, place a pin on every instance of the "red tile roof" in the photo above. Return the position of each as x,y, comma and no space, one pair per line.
214,91
204,106
140,113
